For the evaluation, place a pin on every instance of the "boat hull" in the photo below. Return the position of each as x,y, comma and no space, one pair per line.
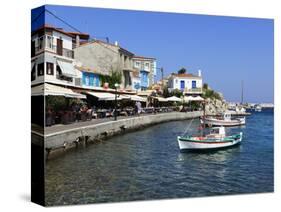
215,122
189,144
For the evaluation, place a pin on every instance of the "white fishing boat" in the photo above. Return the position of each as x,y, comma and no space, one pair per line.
258,108
215,140
224,120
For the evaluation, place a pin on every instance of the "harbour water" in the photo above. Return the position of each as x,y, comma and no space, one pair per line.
147,164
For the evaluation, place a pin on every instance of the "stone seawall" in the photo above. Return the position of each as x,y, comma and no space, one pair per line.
63,140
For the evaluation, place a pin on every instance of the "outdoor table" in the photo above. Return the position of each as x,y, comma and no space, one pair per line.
83,116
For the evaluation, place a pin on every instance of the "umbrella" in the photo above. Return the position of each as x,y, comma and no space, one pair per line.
174,99
198,98
191,98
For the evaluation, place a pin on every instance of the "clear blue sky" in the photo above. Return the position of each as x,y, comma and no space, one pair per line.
226,49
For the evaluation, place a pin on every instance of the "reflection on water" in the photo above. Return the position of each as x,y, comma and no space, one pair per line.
147,164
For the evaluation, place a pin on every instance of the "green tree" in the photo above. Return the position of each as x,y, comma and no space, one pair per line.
114,77
182,71
166,92
209,93
177,93
205,86
56,102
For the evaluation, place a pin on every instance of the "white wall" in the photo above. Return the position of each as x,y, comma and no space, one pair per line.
51,58
67,41
188,82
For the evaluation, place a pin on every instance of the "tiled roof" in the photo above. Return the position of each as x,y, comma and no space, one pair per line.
106,43
185,75
71,34
141,57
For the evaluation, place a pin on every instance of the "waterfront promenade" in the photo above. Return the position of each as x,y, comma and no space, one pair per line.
59,138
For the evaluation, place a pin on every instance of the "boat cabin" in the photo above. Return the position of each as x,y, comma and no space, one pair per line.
227,116
218,131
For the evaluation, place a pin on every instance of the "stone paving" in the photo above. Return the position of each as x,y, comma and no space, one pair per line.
62,127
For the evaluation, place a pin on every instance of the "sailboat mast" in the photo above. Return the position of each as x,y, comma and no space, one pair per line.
204,114
242,92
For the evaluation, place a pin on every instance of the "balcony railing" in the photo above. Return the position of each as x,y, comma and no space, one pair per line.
45,44
193,90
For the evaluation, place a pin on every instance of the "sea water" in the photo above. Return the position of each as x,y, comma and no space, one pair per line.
147,164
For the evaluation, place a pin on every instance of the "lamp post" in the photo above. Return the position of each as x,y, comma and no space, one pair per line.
116,85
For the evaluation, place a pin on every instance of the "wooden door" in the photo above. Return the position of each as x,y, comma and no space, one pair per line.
59,46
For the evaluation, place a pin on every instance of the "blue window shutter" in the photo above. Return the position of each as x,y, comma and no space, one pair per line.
83,78
182,84
97,81
91,83
193,84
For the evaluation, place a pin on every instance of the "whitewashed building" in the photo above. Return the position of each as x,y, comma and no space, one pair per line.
52,56
189,84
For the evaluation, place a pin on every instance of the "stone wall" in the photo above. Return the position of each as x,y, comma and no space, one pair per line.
63,140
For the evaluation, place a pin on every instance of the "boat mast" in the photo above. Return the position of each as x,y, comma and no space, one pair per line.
204,114
242,92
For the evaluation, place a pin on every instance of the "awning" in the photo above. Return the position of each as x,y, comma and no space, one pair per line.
161,99
54,90
102,96
137,98
174,99
67,68
121,96
145,93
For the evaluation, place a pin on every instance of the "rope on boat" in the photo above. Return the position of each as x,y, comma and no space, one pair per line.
188,127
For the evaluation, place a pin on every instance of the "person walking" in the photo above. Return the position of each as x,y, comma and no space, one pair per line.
139,107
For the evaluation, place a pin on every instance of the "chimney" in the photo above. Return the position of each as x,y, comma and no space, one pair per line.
116,43
199,73
77,41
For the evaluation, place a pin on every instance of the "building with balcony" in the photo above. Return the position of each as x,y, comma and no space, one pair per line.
146,66
52,55
103,58
136,81
189,84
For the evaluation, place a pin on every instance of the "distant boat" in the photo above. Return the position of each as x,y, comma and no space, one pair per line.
215,140
258,108
224,120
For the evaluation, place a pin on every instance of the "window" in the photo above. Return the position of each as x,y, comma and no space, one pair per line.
49,42
50,68
182,84
58,72
193,84
33,74
127,77
87,79
125,61
40,69
137,64
61,77
33,48
41,43
146,66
